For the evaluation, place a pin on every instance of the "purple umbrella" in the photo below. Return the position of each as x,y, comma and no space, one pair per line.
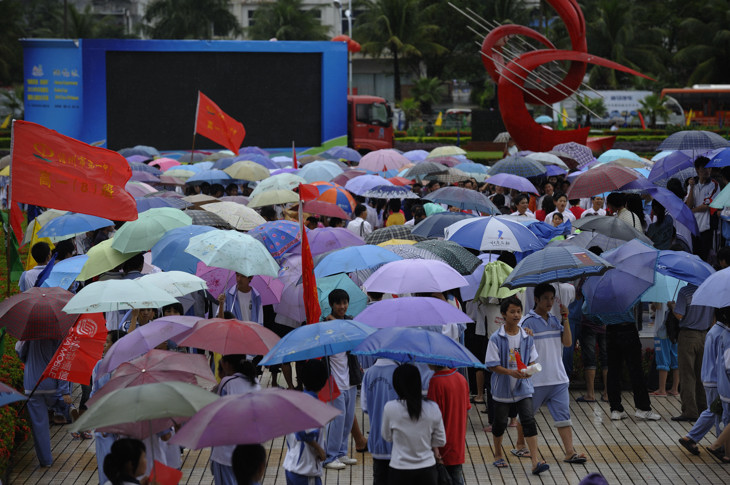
253,150
360,185
260,159
673,163
326,239
414,276
676,207
513,182
411,312
269,288
137,159
262,412
291,304
139,176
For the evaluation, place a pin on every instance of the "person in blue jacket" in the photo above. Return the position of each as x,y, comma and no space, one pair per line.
377,389
244,301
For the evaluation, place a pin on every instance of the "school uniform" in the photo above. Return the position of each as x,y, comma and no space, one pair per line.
255,311
301,465
102,441
377,390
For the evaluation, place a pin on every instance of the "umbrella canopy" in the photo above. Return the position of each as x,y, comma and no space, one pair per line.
610,226
715,291
451,176
684,266
425,168
261,411
417,345
169,252
354,258
274,197
207,218
36,314
400,231
176,283
253,150
164,163
358,299
430,208
343,153
335,194
560,263
65,272
147,203
247,170
102,257
179,173
317,340
211,176
72,223
471,168
390,192
603,178
269,288
200,199
434,225
676,207
411,312
693,140
144,177
238,199
129,411
414,276
522,166
113,295
360,185
347,175
548,159
719,158
543,119
230,337
580,153
278,236
150,226
665,289
325,209
282,181
324,239
235,251
139,189
320,171
513,182
722,199
465,199
240,217
588,239
452,254
615,154
410,251
144,168
9,395
492,234
383,160
416,155
446,151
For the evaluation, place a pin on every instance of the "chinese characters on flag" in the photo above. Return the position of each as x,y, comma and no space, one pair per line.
79,352
214,124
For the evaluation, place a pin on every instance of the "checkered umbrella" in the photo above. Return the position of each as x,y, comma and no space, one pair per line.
452,175
580,153
205,218
407,251
390,192
693,140
448,161
453,254
37,314
425,168
600,179
392,232
465,199
522,166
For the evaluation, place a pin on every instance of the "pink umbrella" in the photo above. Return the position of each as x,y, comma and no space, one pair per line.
231,337
262,411
381,160
448,161
269,288
164,163
238,199
139,189
321,208
218,279
602,178
342,178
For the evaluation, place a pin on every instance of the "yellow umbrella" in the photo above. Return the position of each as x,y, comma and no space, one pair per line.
237,215
390,242
247,170
274,197
102,257
179,173
5,172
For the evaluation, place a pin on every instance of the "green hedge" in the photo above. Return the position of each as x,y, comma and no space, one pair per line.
444,140
4,142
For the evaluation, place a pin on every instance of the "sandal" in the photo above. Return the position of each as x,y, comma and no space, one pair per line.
576,459
658,394
86,435
719,454
75,436
541,467
521,453
584,399
672,393
474,400
690,445
501,463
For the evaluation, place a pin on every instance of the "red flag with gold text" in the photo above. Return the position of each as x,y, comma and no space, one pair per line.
214,124
79,352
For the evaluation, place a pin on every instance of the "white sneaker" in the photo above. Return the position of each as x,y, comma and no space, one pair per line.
347,460
618,415
647,415
335,464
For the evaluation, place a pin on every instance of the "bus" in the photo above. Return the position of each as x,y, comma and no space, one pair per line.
704,104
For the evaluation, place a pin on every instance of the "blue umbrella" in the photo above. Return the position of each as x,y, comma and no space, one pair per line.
557,263
73,223
278,236
223,163
665,289
321,170
143,167
417,345
253,150
471,167
554,170
358,299
363,183
317,340
416,155
465,199
522,166
719,157
345,153
675,162
169,252
9,395
546,232
543,119
354,258
65,272
211,176
196,167
390,192
693,140
147,203
434,225
615,154
715,291
493,234
142,150
676,207
683,266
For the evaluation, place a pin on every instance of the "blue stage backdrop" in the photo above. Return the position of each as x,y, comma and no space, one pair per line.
144,92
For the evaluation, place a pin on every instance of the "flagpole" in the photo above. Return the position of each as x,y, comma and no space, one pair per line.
195,128
7,255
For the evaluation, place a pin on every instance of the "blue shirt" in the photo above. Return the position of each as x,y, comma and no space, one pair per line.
694,317
377,389
36,355
713,340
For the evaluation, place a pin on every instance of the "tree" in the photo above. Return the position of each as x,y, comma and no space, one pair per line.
427,91
287,20
397,28
585,105
191,19
653,106
411,109
708,54
87,25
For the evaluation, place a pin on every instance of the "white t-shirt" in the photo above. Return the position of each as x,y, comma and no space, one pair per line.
514,346
549,346
340,370
704,193
599,212
413,441
244,301
567,216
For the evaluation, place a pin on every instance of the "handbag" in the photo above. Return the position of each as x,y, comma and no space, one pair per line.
355,370
443,475
671,323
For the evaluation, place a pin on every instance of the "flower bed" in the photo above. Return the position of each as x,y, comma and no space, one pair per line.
14,427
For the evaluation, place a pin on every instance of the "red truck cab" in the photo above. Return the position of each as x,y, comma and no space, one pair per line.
369,123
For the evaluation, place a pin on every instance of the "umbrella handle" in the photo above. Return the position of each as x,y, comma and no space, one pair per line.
25,403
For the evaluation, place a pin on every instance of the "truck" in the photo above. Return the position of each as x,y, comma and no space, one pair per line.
369,123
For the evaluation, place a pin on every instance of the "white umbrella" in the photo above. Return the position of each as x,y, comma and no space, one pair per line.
114,295
237,215
176,283
233,250
548,159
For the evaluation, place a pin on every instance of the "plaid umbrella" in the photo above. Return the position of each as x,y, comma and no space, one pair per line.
465,199
598,180
580,153
448,161
37,314
612,227
390,192
565,158
425,168
392,232
522,166
407,251
205,218
452,175
694,140
453,254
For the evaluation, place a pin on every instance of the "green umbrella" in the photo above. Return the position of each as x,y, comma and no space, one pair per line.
273,197
282,181
233,250
494,275
446,151
102,257
113,295
150,226
431,208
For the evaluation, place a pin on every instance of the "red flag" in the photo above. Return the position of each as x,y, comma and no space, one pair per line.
214,124
294,156
308,192
16,220
52,170
164,475
79,352
520,365
309,282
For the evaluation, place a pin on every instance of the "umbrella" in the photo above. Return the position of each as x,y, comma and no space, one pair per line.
629,163
9,395
238,199
588,239
354,258
240,217
693,140
448,161
471,168
684,266
348,175
513,182
72,223
430,208
360,185
282,181
269,288
722,199
416,155
452,254
489,283
253,150
325,209
344,153
548,159
147,203
65,272
358,299
522,166
207,218
719,158
335,194
502,137
665,289
317,340
150,226
400,231
113,295
410,251
450,176
230,337
169,252
139,189
176,283
164,163
543,119
36,314
130,411
580,153
273,197
144,177
247,170
434,225
411,312
383,160
560,263
676,207
324,239
145,338
414,276
144,168
102,257
446,151
211,176
615,154
464,199
320,171
492,234
262,412
714,291
142,150
425,168
602,178
179,173
397,242
232,250
137,159
278,236
200,199
390,192
610,226
417,345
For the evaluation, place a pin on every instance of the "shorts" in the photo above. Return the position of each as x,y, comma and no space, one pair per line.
665,354
557,399
588,339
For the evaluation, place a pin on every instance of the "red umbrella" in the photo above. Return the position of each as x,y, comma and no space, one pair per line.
342,178
400,181
598,180
37,314
231,337
322,208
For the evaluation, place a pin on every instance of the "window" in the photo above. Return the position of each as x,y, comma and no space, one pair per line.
250,14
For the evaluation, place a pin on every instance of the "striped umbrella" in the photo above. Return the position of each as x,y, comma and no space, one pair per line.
335,194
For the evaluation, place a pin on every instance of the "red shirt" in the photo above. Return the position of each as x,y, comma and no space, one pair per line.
577,211
450,391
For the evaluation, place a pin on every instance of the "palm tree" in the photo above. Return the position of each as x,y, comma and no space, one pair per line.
396,28
427,91
286,20
586,105
709,49
653,105
191,19
411,108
